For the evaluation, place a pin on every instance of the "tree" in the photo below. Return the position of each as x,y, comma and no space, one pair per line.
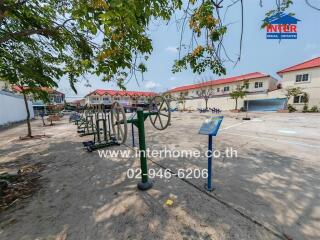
292,92
305,99
182,100
36,93
110,38
205,91
240,92
41,41
168,96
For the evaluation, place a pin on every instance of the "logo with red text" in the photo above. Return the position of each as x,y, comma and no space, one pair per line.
282,26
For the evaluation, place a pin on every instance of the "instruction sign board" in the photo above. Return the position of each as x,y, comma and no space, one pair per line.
211,126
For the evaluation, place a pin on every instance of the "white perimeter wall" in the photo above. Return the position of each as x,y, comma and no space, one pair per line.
225,102
12,108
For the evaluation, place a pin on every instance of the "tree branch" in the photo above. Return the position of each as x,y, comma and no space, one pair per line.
29,32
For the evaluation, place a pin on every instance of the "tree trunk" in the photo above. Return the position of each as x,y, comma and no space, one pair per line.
28,115
206,103
236,104
285,107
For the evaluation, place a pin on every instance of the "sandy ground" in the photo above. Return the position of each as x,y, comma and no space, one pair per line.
271,190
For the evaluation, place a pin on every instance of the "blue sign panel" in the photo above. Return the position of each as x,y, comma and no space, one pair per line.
281,35
132,116
211,126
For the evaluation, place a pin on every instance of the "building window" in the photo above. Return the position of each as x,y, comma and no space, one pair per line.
247,85
302,78
258,84
226,89
298,99
105,99
57,99
218,89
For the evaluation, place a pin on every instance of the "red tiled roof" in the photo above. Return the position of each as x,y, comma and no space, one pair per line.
220,81
48,90
102,92
315,62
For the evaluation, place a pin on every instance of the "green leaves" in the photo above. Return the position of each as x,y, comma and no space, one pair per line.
293,91
283,5
200,60
239,92
42,41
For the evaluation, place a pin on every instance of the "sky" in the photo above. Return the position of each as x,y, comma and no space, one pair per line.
258,53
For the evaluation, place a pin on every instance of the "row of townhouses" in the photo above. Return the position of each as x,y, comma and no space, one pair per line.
101,98
264,92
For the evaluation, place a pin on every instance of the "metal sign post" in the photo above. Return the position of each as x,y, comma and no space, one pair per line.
209,179
132,131
210,127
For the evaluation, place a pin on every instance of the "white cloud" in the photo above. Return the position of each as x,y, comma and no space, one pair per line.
173,79
151,85
172,49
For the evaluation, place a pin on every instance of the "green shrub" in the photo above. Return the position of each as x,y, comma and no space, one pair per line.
305,108
291,108
314,109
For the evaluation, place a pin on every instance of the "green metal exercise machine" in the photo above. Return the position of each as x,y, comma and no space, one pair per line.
160,119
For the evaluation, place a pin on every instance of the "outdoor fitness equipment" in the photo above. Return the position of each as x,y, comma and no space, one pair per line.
210,127
160,119
109,131
113,129
202,110
83,119
215,110
75,117
87,127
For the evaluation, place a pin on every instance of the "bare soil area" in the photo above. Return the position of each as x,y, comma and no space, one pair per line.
270,190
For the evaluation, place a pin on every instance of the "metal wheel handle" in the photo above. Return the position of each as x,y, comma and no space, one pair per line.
159,105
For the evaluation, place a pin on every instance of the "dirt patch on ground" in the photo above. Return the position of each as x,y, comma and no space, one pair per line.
20,185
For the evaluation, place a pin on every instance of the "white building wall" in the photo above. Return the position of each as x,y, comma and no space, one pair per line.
12,108
312,87
225,102
269,83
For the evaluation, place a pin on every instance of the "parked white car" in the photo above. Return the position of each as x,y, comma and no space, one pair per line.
66,112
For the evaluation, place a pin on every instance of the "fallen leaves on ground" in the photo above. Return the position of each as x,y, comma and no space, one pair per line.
14,187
